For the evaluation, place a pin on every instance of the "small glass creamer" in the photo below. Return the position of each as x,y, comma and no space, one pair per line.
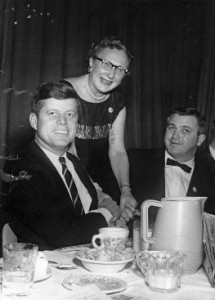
161,270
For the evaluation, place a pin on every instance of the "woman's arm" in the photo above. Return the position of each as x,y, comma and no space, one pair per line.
120,165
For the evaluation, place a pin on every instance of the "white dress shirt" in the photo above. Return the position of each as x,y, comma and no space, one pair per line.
212,151
82,191
176,180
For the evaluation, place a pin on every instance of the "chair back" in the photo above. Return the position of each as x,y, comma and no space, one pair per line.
8,236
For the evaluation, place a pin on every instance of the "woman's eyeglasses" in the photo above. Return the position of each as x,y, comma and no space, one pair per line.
107,65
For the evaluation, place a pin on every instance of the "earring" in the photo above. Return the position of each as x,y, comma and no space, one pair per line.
89,69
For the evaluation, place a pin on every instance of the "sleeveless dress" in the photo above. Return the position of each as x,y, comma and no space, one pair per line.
92,140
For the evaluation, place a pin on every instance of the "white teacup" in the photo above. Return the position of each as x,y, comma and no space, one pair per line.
111,238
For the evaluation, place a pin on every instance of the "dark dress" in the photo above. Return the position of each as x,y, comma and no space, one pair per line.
92,140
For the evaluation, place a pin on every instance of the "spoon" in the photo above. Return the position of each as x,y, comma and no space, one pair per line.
61,266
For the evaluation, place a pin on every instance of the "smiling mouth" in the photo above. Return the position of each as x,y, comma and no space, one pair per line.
61,132
175,144
105,81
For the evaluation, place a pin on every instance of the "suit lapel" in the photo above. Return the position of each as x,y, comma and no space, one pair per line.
193,186
199,179
43,164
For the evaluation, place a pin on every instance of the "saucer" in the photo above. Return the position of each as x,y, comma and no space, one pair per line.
107,284
94,262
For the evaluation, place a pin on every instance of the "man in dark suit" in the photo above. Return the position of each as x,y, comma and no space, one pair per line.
174,171
212,141
209,152
52,200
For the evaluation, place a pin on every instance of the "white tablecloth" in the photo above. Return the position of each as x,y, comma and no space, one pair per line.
194,287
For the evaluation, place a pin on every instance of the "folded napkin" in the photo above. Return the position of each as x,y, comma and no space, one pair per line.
60,258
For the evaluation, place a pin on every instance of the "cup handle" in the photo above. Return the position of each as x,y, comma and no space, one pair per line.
94,238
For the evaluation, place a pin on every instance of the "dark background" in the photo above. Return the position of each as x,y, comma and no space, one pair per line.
173,42
48,40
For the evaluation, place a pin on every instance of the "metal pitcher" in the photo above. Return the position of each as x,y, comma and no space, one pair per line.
178,226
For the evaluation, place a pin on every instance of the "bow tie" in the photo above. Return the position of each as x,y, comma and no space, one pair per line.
184,167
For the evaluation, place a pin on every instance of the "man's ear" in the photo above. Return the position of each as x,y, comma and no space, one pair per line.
201,139
90,62
33,120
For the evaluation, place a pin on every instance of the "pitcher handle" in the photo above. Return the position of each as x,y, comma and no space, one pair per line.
145,219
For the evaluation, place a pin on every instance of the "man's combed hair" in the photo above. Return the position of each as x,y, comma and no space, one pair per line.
56,90
112,43
189,111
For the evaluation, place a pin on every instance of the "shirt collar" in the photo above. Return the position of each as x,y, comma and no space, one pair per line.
212,151
189,163
50,154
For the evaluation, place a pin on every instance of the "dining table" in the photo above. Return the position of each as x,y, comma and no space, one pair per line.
63,264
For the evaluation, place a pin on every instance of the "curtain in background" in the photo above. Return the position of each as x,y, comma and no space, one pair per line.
49,40
206,94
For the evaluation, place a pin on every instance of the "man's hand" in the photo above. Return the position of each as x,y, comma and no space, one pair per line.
117,223
110,205
127,205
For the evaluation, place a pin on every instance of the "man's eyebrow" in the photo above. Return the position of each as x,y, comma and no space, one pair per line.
186,126
181,126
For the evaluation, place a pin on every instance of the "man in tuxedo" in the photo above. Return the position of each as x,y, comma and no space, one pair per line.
52,200
174,171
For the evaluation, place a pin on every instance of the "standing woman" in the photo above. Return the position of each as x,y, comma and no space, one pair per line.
100,133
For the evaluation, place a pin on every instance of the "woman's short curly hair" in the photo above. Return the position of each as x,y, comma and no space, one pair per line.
111,42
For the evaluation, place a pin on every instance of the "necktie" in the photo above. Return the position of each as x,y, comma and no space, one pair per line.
72,187
172,162
85,179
